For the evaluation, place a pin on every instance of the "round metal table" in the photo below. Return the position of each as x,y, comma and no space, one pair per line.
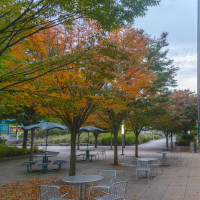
164,157
45,157
82,180
149,159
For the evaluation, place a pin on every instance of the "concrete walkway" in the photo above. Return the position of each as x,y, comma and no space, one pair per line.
180,180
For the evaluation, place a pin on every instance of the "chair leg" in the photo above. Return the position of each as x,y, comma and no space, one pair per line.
148,174
131,171
136,175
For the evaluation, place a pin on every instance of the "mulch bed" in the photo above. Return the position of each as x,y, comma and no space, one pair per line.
28,189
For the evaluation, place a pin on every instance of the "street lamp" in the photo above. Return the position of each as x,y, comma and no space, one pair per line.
122,132
198,66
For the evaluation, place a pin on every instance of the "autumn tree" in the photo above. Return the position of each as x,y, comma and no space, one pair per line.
186,100
138,118
179,113
145,108
132,79
22,19
70,94
21,112
73,96
168,116
94,120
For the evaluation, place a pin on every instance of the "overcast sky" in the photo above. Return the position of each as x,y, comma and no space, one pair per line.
179,19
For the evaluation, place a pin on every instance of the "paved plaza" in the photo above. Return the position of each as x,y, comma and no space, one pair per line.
179,180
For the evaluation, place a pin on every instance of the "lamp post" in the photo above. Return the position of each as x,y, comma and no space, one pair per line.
198,66
122,132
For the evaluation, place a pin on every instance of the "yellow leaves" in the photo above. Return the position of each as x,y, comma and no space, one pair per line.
28,189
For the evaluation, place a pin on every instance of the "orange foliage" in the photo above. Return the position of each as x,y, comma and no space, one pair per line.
28,189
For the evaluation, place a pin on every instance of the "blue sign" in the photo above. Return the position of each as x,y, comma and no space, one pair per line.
199,131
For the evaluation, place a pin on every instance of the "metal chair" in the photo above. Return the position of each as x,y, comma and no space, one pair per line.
129,162
155,164
117,191
176,152
101,152
142,166
106,183
52,193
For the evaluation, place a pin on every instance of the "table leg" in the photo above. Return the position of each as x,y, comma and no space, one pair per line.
45,160
87,154
84,191
80,191
164,159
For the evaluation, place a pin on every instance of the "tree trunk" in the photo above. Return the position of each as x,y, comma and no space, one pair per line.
72,168
31,151
166,136
115,147
172,140
136,144
111,141
78,145
25,136
187,136
96,136
115,132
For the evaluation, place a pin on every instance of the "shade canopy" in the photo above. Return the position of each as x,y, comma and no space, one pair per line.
91,129
46,126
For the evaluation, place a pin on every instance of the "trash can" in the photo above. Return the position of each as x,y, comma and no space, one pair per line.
192,147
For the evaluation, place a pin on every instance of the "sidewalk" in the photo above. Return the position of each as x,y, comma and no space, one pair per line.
179,181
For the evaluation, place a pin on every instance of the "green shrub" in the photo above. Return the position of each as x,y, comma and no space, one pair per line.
54,132
54,139
104,140
156,137
12,151
2,141
129,139
182,142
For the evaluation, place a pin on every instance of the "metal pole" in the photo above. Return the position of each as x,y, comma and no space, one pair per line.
46,142
198,66
122,145
122,132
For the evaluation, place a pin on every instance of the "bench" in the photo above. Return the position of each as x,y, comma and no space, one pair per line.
83,157
91,156
42,164
59,163
29,165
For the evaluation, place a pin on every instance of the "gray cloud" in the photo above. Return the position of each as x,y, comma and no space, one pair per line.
179,19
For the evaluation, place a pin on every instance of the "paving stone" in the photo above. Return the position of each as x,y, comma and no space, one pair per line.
179,181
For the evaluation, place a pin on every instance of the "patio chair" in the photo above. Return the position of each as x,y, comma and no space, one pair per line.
129,162
52,193
106,183
101,152
155,164
117,191
142,166
176,152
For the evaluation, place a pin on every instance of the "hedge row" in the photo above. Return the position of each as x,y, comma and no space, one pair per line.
103,139
130,139
12,151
